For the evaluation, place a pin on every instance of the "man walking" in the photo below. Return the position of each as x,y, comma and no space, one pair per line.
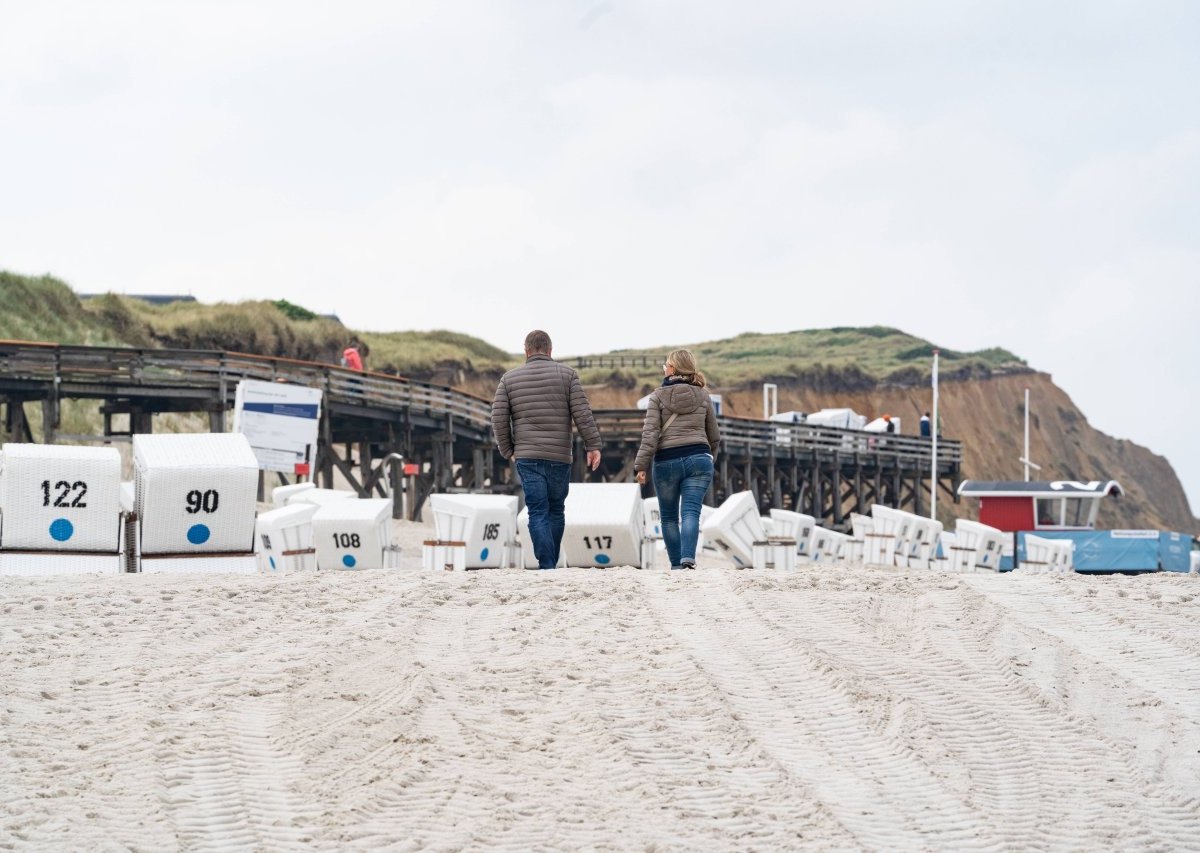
531,417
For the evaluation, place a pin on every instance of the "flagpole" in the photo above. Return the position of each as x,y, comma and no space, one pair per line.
933,431
1025,458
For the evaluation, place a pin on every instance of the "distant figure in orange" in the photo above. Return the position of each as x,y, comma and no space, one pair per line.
891,427
351,357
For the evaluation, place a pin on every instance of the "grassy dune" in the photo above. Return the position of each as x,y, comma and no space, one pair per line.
838,359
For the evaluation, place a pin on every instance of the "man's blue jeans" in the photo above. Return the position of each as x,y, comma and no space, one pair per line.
681,485
545,484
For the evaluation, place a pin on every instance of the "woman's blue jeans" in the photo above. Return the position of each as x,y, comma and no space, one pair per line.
545,484
681,485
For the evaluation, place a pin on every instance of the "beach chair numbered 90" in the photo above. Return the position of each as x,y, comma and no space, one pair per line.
195,499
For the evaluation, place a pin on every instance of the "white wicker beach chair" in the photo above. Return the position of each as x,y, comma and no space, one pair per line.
61,510
354,534
195,502
604,525
284,539
796,525
735,527
486,524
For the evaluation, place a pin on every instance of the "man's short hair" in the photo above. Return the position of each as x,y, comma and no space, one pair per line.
537,341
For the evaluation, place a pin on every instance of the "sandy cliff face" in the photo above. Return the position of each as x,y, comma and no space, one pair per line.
987,416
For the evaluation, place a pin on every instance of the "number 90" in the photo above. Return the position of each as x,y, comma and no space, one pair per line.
206,501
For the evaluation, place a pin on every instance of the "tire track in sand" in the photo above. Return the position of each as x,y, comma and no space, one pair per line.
1047,775
877,789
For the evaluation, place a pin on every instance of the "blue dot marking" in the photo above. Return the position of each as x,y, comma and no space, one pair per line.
348,561
61,530
603,559
483,554
198,534
272,559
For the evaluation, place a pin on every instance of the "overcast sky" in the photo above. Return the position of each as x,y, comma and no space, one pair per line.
629,174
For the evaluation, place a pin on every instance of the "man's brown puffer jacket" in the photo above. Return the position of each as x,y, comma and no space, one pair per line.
533,410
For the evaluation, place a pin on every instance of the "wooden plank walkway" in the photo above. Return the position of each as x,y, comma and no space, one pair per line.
825,471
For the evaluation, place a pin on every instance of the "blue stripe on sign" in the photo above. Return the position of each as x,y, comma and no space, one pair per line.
291,410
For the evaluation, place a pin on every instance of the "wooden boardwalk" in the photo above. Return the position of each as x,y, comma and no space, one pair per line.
367,417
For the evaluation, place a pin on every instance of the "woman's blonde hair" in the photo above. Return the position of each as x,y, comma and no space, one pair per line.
685,365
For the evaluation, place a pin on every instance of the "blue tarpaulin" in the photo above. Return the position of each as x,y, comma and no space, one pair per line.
1175,552
1122,550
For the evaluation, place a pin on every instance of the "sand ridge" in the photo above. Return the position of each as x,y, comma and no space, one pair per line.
829,708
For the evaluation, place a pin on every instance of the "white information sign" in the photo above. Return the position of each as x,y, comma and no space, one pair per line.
280,421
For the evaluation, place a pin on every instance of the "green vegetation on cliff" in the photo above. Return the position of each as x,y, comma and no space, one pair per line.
838,359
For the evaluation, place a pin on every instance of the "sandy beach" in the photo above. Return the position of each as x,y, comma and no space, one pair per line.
831,708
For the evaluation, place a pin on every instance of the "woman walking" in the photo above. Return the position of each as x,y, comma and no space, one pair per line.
679,439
